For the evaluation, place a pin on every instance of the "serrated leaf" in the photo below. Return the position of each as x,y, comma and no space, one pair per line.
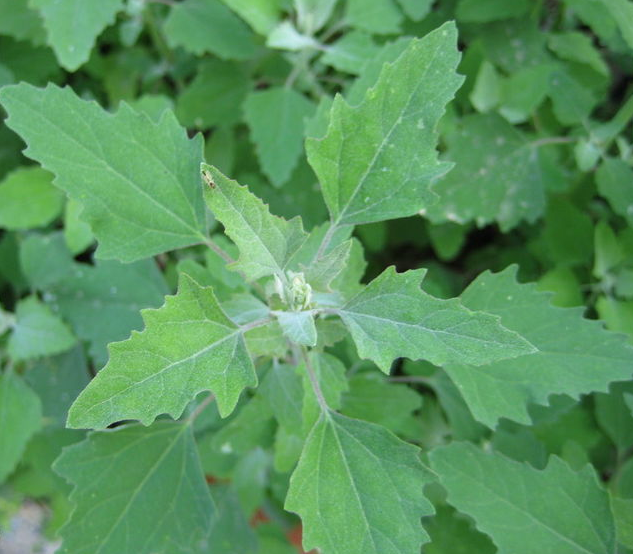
554,510
28,199
201,26
392,317
73,26
378,159
21,22
188,346
136,490
498,176
275,117
323,270
37,331
266,242
298,326
365,472
20,418
137,180
574,355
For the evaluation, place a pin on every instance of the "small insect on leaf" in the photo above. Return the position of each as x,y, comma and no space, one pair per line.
208,178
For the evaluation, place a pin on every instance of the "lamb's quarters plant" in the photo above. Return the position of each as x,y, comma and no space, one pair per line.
318,274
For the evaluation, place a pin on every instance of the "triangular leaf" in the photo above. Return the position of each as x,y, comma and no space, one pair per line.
378,159
137,180
74,25
363,472
188,346
392,318
266,242
298,326
574,355
136,490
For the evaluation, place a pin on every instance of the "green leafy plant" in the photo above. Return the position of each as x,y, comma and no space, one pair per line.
225,355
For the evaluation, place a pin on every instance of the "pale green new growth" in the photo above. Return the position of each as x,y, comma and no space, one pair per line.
298,326
573,355
392,318
266,242
358,490
378,160
188,346
137,180
501,495
20,418
73,26
151,490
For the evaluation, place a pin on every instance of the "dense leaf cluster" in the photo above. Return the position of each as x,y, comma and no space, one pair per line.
319,274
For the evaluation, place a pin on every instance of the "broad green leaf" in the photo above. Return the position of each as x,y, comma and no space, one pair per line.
486,92
188,346
261,15
574,356
595,15
554,510
283,391
617,314
323,270
483,11
392,317
614,415
615,182
28,199
58,380
77,233
136,490
140,191
72,26
286,37
416,9
622,509
377,16
498,176
20,418
215,96
608,254
45,260
266,242
202,26
37,331
298,326
358,490
275,117
572,101
21,22
230,531
378,159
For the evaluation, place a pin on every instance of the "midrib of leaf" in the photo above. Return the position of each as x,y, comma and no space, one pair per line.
531,516
142,483
380,149
111,169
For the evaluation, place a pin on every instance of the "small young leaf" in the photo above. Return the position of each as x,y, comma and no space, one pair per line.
615,182
298,326
377,16
266,242
202,26
378,159
501,494
74,25
137,180
358,490
20,418
392,318
136,490
261,15
188,346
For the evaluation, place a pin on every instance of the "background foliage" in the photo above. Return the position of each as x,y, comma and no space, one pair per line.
517,437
